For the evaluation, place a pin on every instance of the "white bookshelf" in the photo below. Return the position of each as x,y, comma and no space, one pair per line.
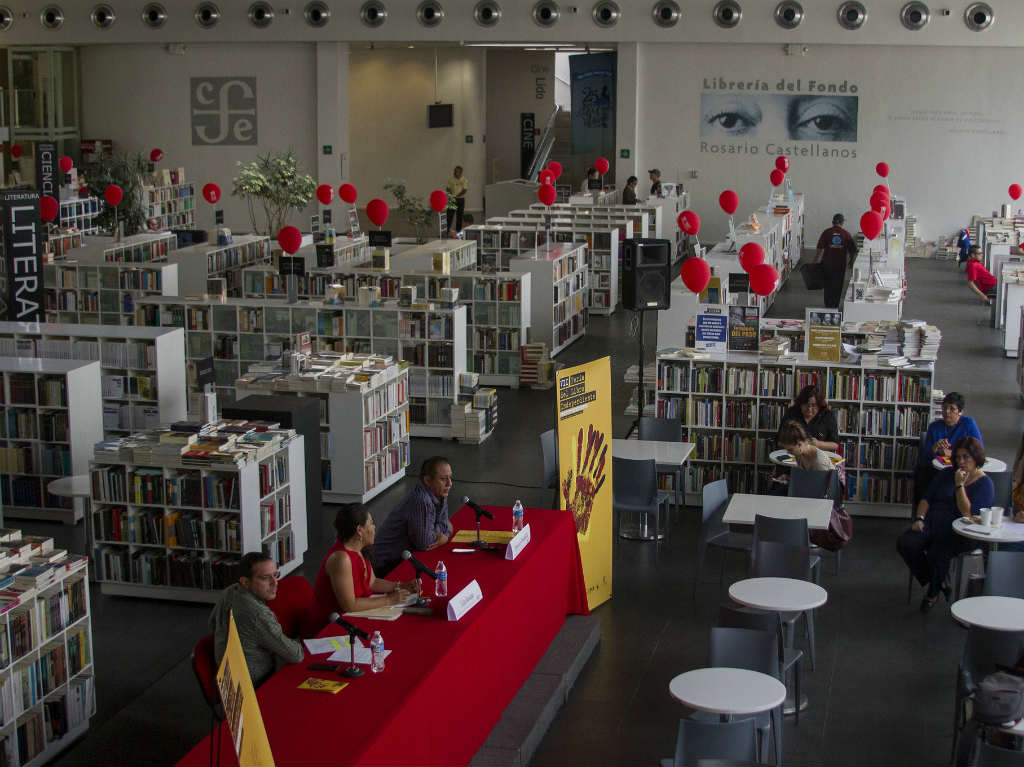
731,408
80,290
79,214
47,681
264,280
364,434
173,205
142,369
558,290
52,417
462,254
180,532
645,217
138,248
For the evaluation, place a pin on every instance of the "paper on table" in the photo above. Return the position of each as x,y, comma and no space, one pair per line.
487,536
385,613
324,644
363,655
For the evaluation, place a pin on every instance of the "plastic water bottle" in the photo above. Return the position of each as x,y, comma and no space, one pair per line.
517,516
377,650
441,582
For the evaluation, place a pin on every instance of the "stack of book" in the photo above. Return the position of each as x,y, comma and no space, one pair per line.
536,369
226,441
776,346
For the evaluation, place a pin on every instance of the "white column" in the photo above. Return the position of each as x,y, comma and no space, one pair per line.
332,113
627,119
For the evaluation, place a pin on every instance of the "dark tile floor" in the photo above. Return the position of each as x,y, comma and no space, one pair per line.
881,692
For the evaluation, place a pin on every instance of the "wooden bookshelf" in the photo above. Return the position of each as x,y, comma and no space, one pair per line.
171,529
47,680
52,417
364,427
732,408
142,375
558,289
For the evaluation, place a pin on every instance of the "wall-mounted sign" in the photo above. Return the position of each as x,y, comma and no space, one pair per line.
223,110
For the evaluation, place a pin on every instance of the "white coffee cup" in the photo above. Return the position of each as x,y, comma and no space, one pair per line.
986,516
997,516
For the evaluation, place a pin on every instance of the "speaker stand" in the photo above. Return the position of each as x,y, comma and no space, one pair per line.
640,382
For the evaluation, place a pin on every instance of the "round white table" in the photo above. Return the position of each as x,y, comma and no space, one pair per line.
1008,532
783,458
70,487
778,594
728,690
996,613
991,465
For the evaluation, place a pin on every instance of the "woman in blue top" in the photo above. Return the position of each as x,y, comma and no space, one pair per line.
930,543
938,440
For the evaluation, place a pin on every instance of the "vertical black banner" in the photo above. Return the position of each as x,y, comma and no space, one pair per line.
48,172
22,238
527,127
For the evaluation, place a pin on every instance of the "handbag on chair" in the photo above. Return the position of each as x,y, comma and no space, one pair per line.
840,524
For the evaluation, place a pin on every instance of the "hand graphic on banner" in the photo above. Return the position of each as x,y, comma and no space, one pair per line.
589,476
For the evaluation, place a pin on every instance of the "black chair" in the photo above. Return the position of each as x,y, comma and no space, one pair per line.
780,560
1002,482
549,452
817,483
635,490
792,532
984,652
696,740
790,658
664,430
1004,575
996,756
714,532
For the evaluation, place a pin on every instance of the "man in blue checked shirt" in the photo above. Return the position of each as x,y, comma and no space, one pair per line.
420,522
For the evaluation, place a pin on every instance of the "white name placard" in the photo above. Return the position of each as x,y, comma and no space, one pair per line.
518,543
464,601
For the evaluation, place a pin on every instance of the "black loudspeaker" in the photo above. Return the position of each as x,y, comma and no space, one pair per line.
646,274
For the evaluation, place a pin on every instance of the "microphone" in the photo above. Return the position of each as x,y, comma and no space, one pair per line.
421,568
349,627
480,510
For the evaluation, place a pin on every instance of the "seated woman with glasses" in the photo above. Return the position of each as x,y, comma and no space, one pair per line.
811,411
930,543
345,582
938,441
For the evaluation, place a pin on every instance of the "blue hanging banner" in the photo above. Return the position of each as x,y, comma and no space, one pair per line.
592,80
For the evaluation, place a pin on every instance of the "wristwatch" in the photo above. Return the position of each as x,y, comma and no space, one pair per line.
919,518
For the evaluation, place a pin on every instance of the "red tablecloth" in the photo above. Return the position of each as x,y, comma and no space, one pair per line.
446,684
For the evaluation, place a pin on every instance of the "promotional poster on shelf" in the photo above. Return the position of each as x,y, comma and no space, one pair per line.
712,329
744,328
824,335
241,709
712,293
585,468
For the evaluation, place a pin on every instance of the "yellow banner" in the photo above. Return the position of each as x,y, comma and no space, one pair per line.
585,467
241,708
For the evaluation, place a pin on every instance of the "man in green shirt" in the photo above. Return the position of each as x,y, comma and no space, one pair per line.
458,185
263,641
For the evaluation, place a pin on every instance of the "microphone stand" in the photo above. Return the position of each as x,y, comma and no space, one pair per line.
478,543
353,670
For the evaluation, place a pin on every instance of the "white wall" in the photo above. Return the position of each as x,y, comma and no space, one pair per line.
138,95
389,90
943,118
517,81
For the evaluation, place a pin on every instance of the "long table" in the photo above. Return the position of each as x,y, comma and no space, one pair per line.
446,684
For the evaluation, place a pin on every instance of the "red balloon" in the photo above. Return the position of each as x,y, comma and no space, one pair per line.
156,155
211,193
48,207
1015,191
882,169
882,188
113,194
377,211
601,165
695,273
66,164
325,193
290,239
438,200
871,224
763,278
878,199
782,163
547,194
751,256
16,151
83,191
729,201
689,222
348,193
546,177
881,208
776,177
555,167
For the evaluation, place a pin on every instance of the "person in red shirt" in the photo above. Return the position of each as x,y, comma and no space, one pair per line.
980,279
835,246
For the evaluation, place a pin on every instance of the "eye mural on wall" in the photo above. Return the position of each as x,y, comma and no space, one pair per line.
778,116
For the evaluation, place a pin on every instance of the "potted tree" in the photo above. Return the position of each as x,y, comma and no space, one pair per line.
277,184
128,172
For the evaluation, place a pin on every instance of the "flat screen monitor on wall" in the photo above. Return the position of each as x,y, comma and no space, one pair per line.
440,116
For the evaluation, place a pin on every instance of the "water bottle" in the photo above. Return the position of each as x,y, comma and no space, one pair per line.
441,582
377,650
517,516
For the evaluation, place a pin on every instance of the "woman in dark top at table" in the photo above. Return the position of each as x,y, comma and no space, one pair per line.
810,410
345,582
930,543
939,439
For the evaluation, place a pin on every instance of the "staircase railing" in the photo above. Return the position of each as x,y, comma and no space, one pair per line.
547,141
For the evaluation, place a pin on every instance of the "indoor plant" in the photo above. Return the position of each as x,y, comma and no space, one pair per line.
277,183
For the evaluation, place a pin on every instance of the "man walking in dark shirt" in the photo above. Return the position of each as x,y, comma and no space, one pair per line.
835,246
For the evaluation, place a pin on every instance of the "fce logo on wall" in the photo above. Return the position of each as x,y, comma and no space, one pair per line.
223,110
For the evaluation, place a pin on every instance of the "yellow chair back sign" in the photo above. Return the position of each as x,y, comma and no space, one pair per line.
241,709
